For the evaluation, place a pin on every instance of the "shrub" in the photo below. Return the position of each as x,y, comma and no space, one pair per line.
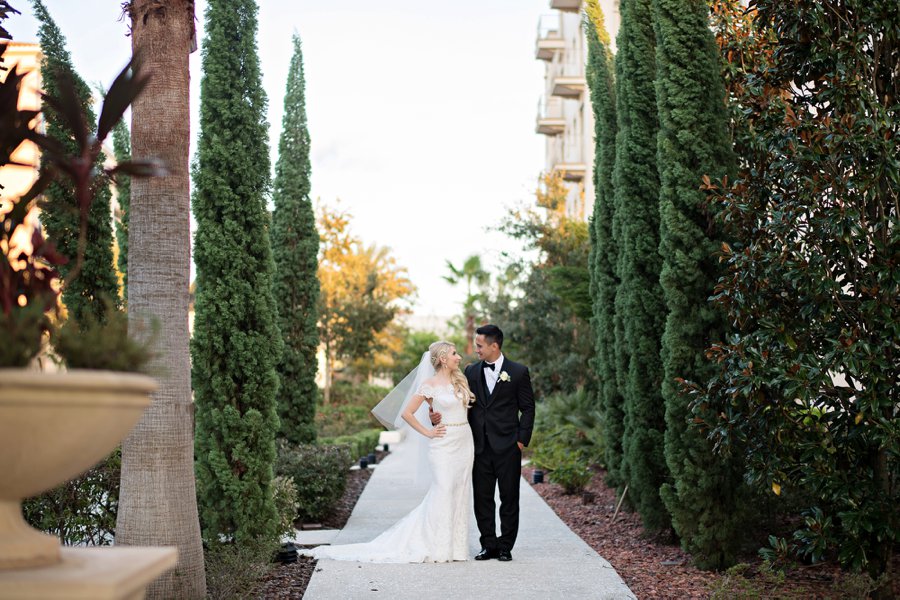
284,493
572,474
561,446
574,419
366,395
233,570
319,472
553,447
780,552
589,438
358,444
81,512
343,419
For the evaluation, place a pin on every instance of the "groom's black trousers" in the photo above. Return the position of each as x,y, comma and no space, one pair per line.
494,469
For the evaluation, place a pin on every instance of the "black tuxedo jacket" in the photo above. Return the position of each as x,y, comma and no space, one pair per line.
505,416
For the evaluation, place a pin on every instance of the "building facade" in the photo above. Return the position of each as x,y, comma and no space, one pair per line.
17,178
564,114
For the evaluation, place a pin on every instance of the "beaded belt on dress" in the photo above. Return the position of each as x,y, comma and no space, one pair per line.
455,424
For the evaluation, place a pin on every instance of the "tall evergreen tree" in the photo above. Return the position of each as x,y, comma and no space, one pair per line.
603,256
122,150
639,298
96,285
295,246
236,343
693,143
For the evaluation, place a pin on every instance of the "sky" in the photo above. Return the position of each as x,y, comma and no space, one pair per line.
421,114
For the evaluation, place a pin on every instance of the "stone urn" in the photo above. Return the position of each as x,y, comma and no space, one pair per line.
53,427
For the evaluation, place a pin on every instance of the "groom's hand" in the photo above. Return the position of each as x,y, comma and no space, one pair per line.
434,416
521,446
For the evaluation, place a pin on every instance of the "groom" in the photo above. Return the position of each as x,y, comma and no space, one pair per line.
501,419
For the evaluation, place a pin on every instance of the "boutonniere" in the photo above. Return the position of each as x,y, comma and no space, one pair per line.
504,376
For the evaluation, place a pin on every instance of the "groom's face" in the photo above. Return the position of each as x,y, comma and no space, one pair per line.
486,351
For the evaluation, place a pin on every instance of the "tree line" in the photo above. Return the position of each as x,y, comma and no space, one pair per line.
270,286
736,287
743,272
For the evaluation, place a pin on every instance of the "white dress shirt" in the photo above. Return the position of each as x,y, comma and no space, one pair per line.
490,376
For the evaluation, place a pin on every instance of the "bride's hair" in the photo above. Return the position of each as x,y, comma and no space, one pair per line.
461,389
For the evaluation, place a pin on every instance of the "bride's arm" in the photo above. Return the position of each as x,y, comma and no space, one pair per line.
409,415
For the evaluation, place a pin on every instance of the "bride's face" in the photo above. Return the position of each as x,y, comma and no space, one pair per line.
453,359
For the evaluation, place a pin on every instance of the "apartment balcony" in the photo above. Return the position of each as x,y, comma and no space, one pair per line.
569,86
550,38
566,156
566,5
550,119
566,76
571,171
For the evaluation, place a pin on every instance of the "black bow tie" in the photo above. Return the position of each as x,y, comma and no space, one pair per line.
488,365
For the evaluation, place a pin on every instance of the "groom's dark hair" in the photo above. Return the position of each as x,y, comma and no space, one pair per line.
491,334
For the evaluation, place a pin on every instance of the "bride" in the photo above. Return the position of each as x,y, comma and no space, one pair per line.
437,530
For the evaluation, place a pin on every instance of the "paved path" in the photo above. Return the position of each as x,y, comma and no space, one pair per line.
549,560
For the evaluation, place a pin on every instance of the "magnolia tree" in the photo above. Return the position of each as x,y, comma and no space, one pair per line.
805,391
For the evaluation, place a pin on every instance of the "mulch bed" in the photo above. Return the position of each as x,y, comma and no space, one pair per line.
655,567
290,581
287,581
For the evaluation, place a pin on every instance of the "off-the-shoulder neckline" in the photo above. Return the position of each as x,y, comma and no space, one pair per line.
437,385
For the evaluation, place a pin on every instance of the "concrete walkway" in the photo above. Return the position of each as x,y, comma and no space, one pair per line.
549,560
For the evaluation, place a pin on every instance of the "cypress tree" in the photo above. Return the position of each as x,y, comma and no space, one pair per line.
96,286
122,150
295,245
236,343
693,142
603,256
639,298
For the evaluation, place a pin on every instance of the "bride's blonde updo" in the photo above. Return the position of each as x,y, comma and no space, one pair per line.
439,350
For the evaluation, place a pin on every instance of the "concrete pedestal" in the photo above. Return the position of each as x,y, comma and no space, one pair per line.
112,573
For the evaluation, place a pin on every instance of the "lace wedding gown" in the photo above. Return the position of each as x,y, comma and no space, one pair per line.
438,529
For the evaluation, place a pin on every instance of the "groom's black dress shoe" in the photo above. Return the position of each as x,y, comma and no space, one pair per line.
504,556
486,554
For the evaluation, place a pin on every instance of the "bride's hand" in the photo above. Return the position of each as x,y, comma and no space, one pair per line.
438,431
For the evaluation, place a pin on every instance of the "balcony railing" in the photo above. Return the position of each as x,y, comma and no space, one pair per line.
566,75
550,38
566,156
550,118
566,5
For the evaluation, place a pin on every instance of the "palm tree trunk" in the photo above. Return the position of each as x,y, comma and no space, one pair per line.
329,366
158,501
470,333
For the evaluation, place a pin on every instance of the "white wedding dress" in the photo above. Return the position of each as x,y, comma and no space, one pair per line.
438,529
